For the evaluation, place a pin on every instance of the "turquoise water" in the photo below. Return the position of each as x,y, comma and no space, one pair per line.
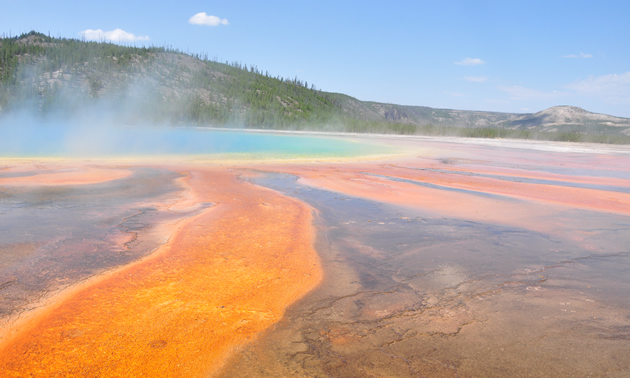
63,141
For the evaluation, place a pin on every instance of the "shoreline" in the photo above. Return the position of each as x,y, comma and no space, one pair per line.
401,145
543,145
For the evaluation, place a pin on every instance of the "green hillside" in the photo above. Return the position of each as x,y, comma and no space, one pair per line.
58,77
162,84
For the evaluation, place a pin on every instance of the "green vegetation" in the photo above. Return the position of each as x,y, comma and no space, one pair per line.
267,102
63,77
523,134
55,54
355,126
164,85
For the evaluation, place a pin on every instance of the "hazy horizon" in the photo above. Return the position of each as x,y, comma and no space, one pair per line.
519,57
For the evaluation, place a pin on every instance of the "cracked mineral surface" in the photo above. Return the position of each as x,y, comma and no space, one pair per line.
225,273
61,225
512,266
450,259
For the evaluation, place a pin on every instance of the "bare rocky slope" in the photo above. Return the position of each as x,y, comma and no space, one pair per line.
562,118
558,118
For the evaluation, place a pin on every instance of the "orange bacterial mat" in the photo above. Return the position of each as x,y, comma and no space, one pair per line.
224,276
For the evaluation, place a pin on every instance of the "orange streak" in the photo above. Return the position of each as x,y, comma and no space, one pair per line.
353,180
82,176
223,277
539,204
516,173
592,199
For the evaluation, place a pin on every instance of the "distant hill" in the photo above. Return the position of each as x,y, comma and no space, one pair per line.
557,118
570,118
64,77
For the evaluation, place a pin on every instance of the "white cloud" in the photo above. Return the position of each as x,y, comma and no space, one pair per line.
205,19
116,35
612,88
581,55
476,79
518,92
470,62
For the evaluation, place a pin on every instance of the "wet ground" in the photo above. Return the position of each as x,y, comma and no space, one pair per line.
54,236
454,260
413,293
226,273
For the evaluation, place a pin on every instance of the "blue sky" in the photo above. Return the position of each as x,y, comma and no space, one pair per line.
509,56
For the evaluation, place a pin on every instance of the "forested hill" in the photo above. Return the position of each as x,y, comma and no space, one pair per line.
64,77
152,83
